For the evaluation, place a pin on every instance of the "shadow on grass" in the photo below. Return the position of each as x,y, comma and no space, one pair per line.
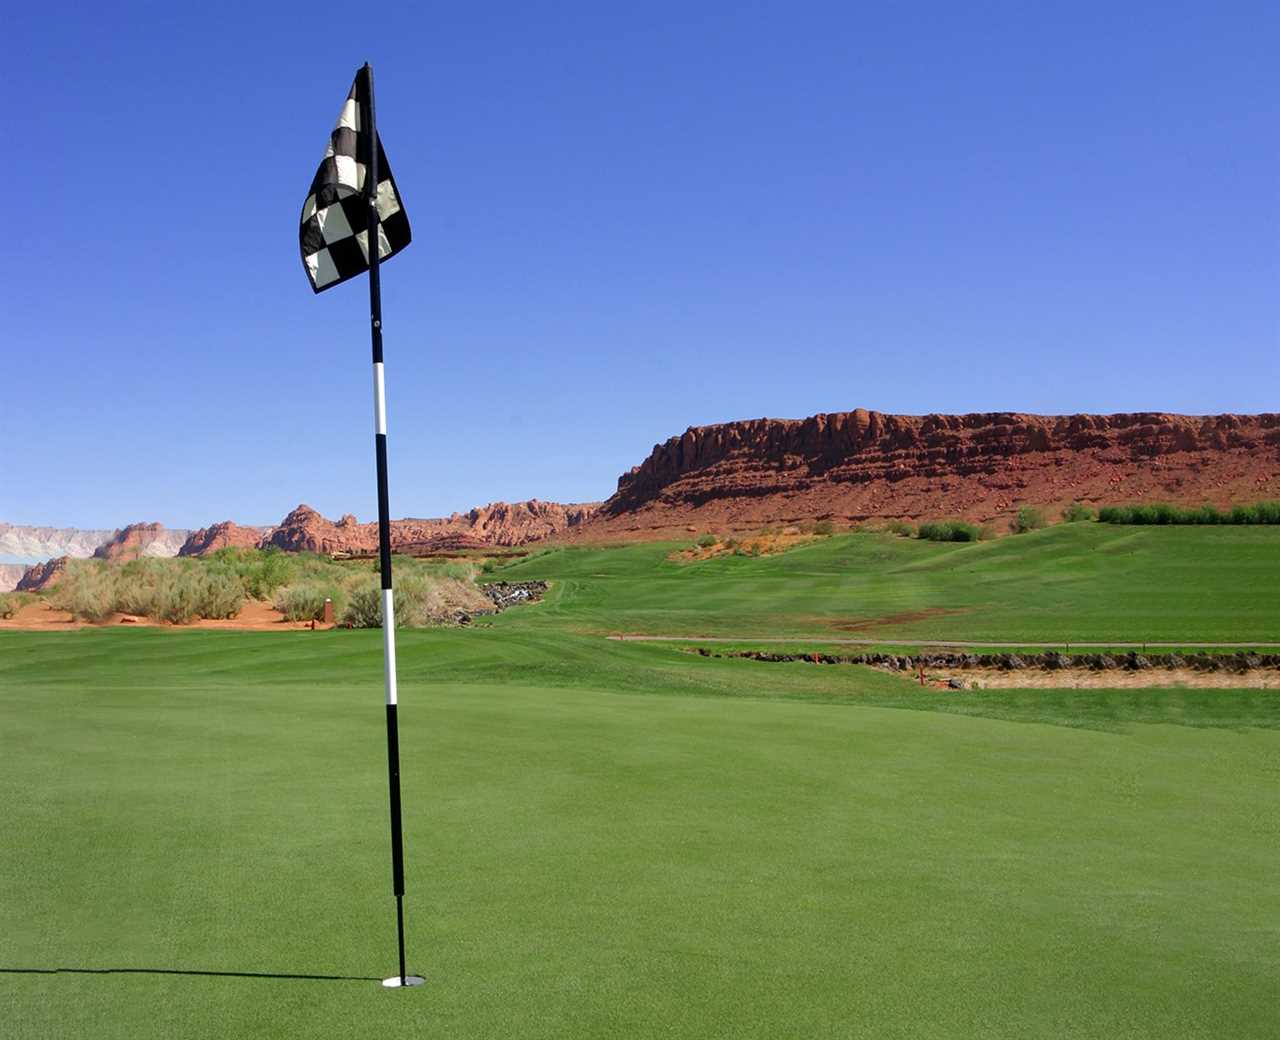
181,971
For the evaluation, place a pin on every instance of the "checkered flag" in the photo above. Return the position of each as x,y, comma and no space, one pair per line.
335,217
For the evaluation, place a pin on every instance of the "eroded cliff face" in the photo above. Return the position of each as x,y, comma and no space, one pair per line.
862,464
41,576
498,524
224,535
137,540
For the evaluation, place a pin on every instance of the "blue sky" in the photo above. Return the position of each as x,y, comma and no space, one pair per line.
628,219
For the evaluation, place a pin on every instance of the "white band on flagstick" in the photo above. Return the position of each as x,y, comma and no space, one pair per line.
389,643
379,400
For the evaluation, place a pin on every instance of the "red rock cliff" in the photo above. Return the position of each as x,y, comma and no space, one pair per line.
498,524
222,536
862,464
43,575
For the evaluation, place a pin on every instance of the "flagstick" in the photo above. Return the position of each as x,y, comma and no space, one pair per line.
370,133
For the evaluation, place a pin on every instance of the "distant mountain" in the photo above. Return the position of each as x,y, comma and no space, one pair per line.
10,575
497,524
37,555
35,544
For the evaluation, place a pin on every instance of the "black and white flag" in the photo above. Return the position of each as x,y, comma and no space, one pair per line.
335,217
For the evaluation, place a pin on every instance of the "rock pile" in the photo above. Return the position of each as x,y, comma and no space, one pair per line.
1051,660
504,594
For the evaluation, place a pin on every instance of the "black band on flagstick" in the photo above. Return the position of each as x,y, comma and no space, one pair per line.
397,854
370,136
384,508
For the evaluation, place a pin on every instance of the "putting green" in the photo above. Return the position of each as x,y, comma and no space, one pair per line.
620,840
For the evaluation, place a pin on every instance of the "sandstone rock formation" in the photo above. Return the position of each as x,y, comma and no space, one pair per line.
857,465
141,540
42,575
223,535
497,524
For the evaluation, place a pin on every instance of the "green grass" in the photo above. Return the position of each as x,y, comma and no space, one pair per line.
1073,582
620,839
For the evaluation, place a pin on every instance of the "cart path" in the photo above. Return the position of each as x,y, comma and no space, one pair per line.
889,641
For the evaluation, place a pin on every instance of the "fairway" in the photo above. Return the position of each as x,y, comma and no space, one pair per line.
620,839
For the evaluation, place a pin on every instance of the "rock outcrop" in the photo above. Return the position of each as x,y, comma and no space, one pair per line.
858,465
497,524
137,540
224,535
42,575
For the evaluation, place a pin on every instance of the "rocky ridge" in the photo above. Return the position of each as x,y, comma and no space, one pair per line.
503,524
862,464
225,535
42,575
137,540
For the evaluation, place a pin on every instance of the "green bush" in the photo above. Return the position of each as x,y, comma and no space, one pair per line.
1028,519
305,602
1163,513
707,541
1076,512
949,531
824,527
261,572
901,527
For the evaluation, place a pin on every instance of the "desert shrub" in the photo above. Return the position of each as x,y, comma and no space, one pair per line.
261,572
1076,512
824,527
421,599
948,531
87,590
707,541
1028,519
458,570
987,532
12,602
305,601
364,607
901,527
489,566
183,594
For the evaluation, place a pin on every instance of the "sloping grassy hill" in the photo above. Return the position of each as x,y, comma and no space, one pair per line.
1073,582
